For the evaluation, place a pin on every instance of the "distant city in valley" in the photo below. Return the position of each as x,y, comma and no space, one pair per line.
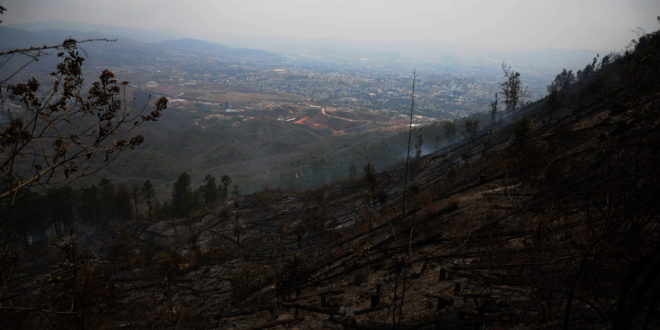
220,94
313,164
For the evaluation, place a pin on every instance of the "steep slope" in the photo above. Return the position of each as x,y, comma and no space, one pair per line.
546,220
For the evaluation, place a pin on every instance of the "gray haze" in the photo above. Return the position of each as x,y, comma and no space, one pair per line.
511,25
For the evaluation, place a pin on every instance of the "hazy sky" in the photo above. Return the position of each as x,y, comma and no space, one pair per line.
509,24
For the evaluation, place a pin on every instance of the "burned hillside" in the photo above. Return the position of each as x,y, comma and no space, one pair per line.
545,219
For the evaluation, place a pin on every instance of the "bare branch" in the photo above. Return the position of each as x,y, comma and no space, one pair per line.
39,49
64,133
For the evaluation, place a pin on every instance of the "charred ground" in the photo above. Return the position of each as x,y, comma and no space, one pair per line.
547,219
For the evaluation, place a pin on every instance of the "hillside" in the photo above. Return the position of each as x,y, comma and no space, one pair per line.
220,121
554,225
546,219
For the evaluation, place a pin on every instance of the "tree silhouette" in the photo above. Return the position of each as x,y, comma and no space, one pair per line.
449,130
210,190
182,197
418,145
562,81
493,109
135,196
237,227
148,193
226,181
122,202
470,127
511,89
299,230
553,99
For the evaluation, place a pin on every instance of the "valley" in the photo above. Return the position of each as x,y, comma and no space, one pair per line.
179,183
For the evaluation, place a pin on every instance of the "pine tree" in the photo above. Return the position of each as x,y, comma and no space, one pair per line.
210,190
182,196
148,193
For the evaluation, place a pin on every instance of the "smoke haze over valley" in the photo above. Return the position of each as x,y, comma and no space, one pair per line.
253,164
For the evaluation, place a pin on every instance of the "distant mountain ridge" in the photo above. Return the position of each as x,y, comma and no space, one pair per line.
206,48
427,54
143,35
12,38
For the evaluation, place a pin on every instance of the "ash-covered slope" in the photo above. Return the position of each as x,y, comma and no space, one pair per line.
546,220
549,220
